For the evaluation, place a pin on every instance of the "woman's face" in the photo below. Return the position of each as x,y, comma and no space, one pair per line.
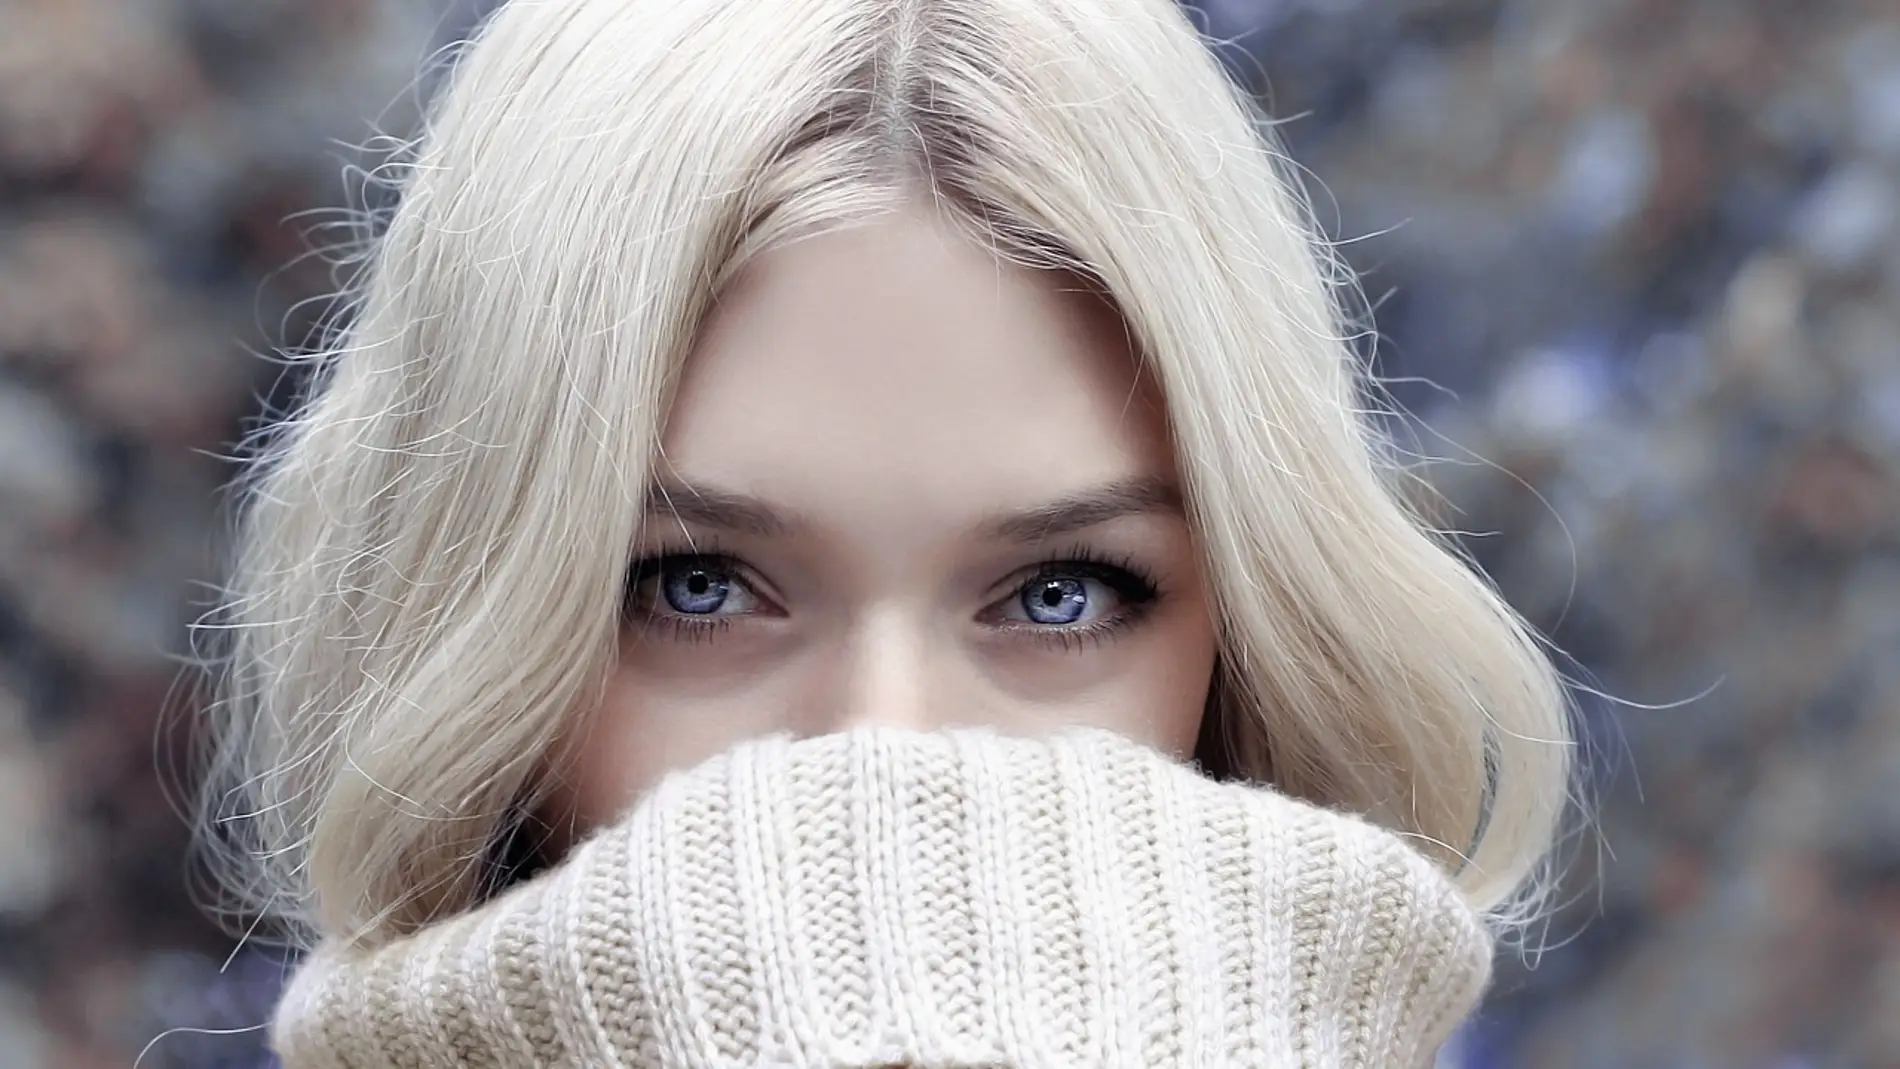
902,485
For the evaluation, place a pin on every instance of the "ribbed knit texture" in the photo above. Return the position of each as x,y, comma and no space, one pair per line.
950,899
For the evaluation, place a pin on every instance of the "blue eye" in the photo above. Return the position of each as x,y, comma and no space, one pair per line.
696,591
1074,599
1078,596
1056,600
687,585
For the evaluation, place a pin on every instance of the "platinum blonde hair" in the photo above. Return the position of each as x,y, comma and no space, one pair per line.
428,577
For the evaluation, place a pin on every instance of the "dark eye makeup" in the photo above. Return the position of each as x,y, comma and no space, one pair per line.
1070,601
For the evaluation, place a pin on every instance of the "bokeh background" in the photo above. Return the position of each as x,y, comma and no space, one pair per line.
1636,268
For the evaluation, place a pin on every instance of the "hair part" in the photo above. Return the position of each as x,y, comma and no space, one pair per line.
427,581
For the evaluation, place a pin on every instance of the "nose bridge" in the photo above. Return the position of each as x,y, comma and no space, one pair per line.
886,675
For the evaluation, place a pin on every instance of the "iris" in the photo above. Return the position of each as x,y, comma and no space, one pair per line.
1056,600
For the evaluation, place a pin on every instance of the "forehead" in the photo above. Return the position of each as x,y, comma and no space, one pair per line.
895,358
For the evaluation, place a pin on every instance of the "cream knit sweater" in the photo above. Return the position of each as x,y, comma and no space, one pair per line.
953,899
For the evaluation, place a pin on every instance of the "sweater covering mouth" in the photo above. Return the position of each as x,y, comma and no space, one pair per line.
946,899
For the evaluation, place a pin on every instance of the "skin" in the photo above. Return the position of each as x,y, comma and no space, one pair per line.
892,446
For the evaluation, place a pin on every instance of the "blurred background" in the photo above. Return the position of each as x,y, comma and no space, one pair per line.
1639,257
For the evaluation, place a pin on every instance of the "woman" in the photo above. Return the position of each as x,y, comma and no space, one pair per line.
845,532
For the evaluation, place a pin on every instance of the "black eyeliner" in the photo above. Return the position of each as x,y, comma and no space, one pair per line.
1121,573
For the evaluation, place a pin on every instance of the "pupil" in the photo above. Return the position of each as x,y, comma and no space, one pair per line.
698,583
1052,595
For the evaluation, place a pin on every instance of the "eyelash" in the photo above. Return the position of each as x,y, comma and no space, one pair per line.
1137,589
684,628
1134,585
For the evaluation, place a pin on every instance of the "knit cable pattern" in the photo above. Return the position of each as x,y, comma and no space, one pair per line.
931,900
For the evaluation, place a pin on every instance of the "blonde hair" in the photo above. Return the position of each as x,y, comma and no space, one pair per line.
429,572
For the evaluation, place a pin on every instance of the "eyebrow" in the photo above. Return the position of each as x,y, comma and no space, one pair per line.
723,510
1124,497
726,510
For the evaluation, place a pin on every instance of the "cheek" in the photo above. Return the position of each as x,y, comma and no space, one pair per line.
636,736
1163,703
